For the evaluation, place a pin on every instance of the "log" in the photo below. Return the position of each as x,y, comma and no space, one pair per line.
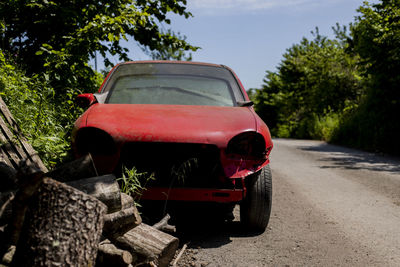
8,256
118,223
105,188
62,228
110,255
164,226
126,201
29,180
75,170
6,206
150,243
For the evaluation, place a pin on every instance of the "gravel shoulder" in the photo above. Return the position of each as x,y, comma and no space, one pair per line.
332,206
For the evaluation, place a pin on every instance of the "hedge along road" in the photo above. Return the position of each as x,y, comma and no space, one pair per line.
331,206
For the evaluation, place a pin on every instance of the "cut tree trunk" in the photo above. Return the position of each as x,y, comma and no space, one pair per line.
110,255
150,243
118,223
75,170
105,188
62,228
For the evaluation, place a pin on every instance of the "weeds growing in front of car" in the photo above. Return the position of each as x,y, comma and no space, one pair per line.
134,182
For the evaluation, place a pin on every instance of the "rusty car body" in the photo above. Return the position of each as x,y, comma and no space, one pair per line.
191,124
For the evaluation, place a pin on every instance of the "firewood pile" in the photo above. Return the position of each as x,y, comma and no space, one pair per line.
70,216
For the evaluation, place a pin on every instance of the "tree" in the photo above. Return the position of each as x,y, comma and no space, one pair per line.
52,42
376,38
59,37
315,78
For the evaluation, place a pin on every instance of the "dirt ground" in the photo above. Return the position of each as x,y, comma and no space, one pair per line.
332,206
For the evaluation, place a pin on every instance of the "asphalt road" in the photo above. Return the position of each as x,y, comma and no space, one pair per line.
332,206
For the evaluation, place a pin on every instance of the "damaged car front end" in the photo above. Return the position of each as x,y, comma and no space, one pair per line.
191,124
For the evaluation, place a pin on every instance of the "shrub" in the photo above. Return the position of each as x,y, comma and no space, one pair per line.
31,101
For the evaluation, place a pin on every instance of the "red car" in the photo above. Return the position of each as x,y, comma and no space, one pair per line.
191,124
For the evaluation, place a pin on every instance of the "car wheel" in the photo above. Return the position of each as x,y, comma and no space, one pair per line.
255,208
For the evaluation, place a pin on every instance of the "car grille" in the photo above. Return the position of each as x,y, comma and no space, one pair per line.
175,164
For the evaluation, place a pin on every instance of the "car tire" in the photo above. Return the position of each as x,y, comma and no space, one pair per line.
255,208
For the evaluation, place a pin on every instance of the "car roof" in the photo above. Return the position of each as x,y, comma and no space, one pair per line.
174,62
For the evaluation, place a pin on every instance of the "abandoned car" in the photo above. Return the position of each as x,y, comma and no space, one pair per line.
191,124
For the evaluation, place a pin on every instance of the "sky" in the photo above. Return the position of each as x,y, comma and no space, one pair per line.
250,36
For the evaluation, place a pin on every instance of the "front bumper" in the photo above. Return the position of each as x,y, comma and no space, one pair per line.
195,194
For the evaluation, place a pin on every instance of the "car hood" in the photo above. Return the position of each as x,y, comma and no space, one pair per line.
171,123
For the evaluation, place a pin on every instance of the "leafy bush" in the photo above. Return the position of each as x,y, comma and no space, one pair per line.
316,81
374,125
33,104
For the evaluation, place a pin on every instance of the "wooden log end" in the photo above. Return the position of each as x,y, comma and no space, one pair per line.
145,240
110,255
118,223
58,206
105,188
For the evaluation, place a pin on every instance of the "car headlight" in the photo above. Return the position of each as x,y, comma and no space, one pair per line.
249,144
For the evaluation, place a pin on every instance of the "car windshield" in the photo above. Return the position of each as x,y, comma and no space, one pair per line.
172,84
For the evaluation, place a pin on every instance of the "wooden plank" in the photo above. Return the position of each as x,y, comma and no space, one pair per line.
4,156
8,117
10,129
8,145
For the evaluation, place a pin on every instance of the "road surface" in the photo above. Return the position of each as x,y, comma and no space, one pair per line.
332,206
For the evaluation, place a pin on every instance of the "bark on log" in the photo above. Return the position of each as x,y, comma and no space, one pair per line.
105,188
149,242
118,223
75,170
62,228
8,256
164,226
29,179
110,255
6,206
29,184
126,201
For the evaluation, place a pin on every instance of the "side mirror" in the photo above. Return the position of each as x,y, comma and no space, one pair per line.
85,100
246,103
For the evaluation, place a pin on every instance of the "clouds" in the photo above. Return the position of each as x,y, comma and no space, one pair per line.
214,7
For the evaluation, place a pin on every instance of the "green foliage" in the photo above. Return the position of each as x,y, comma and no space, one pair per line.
52,42
173,52
59,37
323,127
31,101
315,80
376,38
134,182
344,90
